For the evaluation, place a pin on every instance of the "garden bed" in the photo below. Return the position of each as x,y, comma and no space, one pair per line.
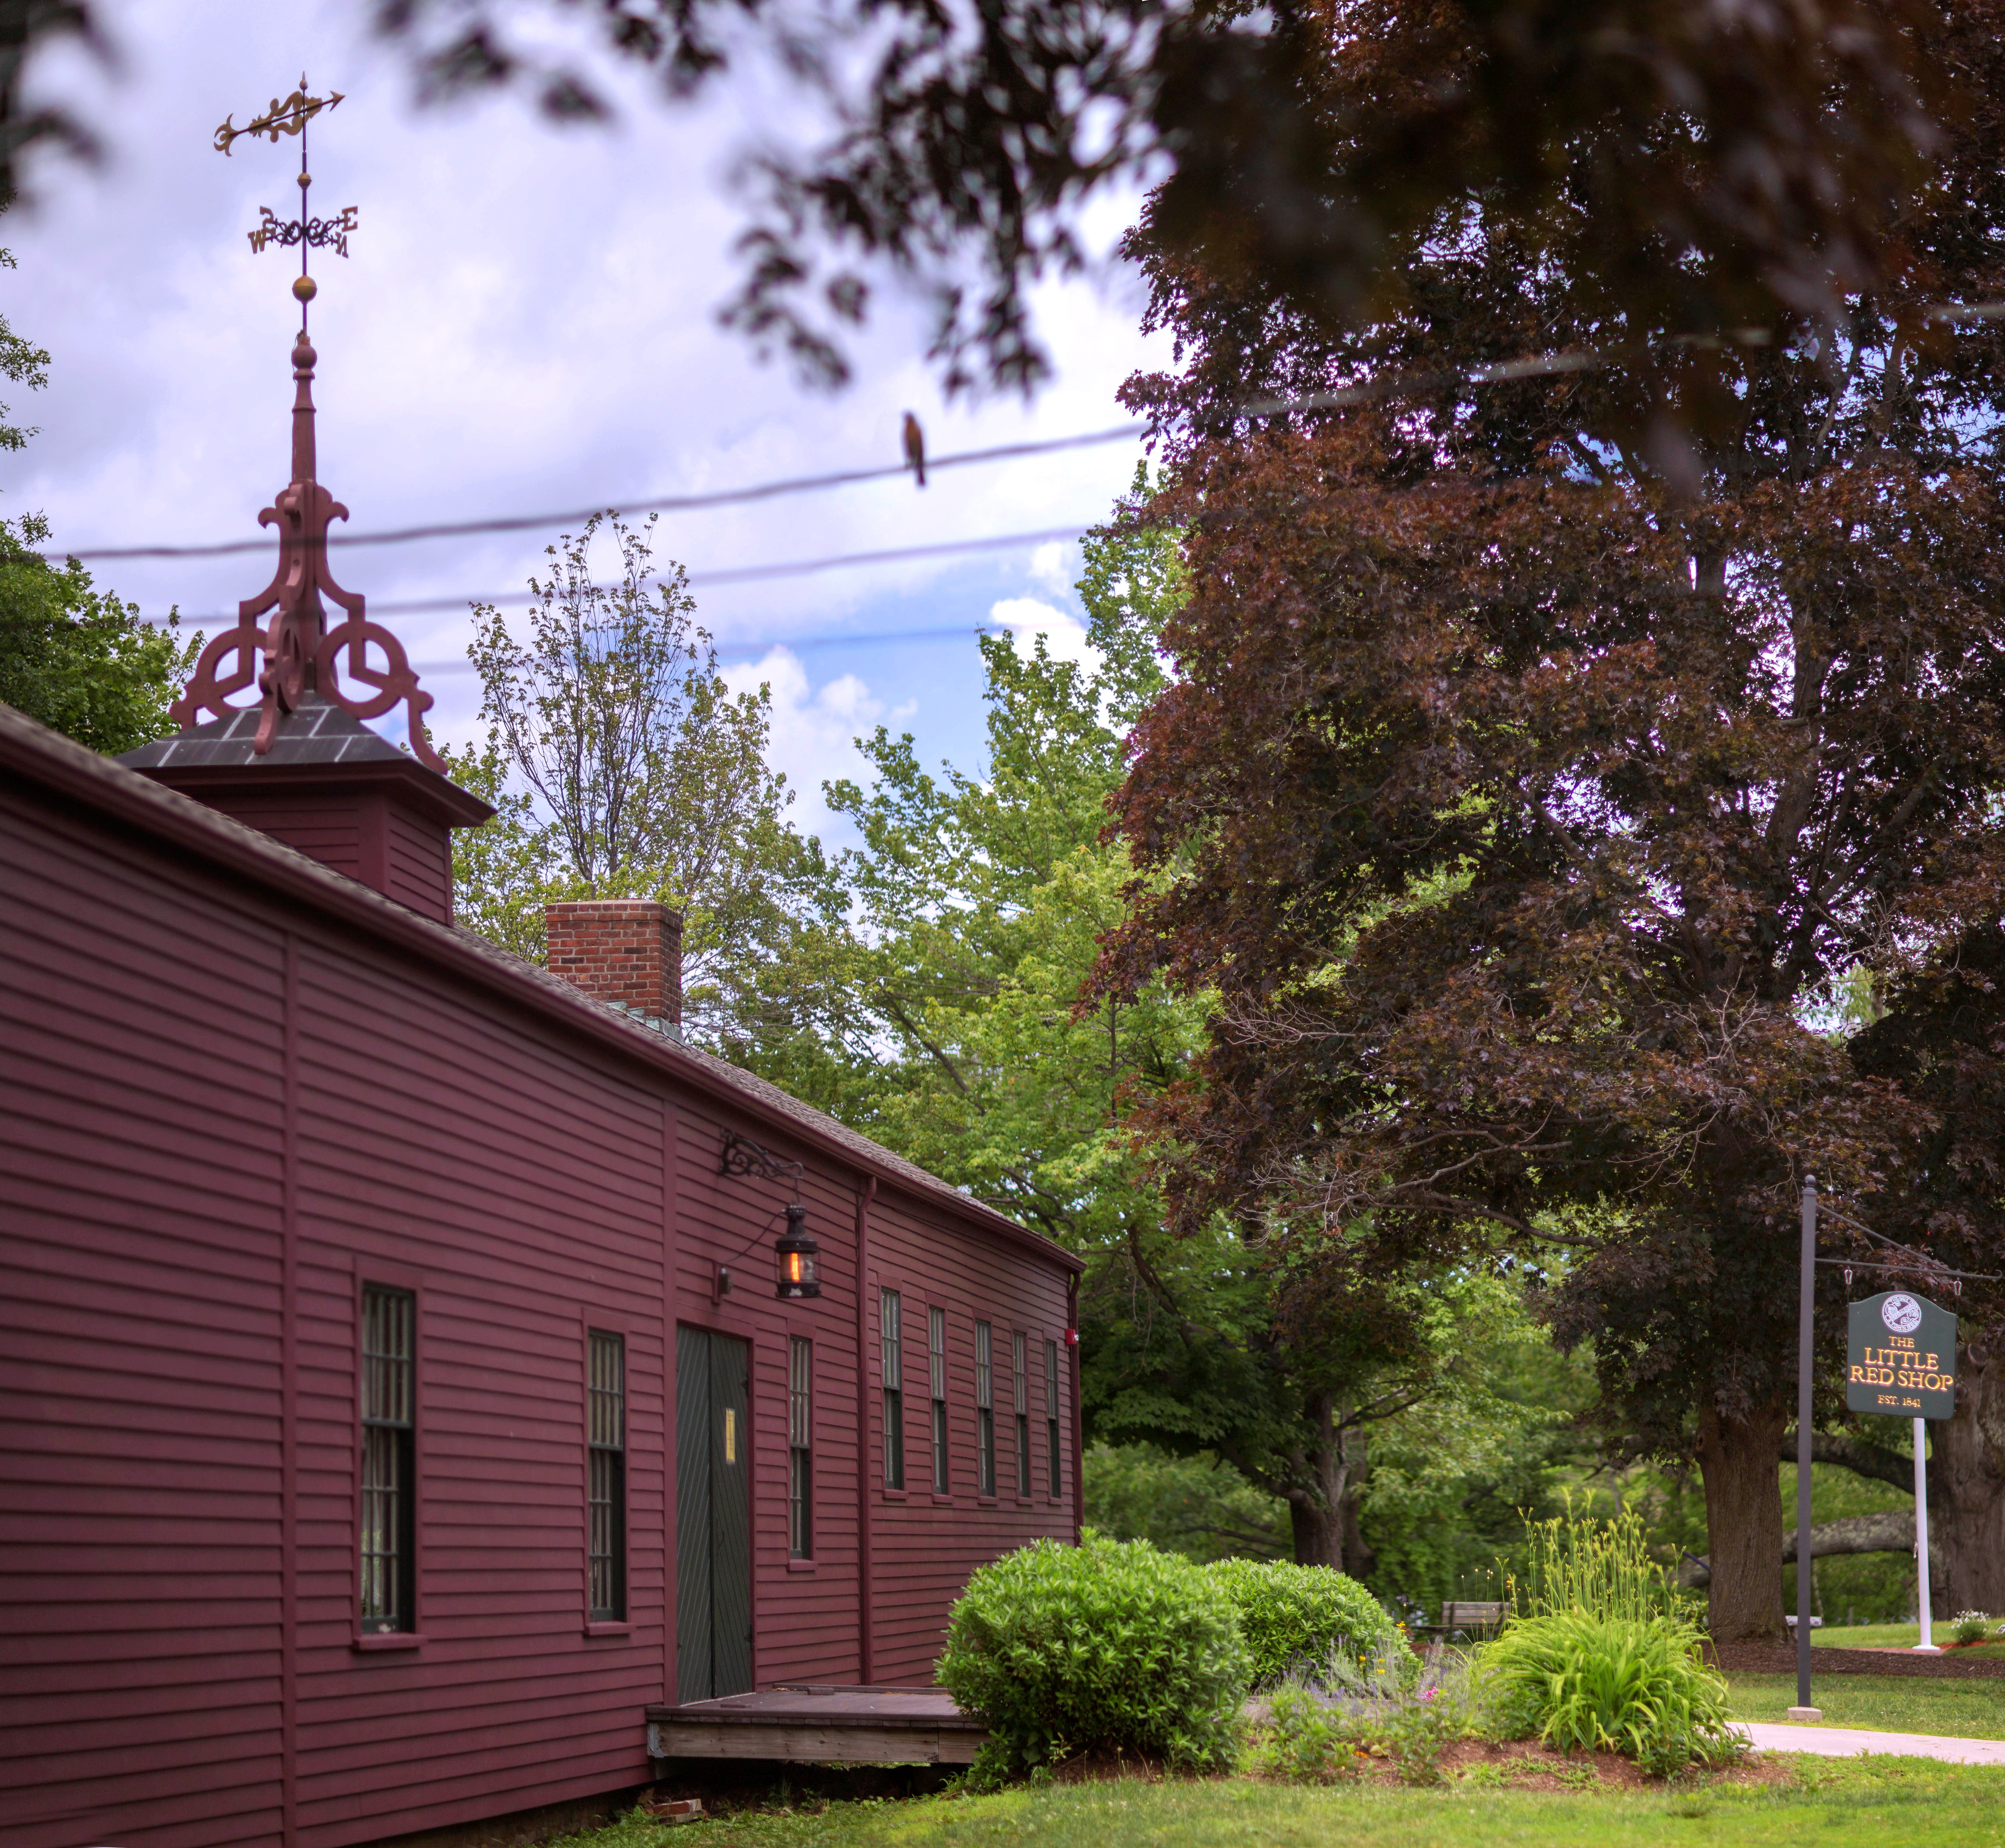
1515,1765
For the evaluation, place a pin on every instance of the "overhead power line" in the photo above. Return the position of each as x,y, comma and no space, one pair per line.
763,490
734,649
747,574
1370,392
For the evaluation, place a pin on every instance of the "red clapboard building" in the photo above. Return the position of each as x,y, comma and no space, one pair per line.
406,1372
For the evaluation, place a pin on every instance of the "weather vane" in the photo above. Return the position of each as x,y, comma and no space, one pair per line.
290,118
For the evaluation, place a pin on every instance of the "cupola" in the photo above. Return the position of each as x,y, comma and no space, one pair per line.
302,764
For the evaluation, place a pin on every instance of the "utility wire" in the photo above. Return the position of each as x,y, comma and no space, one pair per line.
763,490
745,573
1371,392
733,649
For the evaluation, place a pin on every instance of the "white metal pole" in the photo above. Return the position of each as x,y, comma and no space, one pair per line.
1925,1646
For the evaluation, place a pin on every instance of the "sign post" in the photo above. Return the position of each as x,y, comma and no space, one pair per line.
1901,1362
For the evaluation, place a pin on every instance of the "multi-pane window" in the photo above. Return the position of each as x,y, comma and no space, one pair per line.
605,1439
1020,1368
936,1379
389,1458
985,1411
800,1448
1051,1413
894,1398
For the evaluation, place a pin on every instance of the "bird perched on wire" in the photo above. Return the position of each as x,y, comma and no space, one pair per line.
915,449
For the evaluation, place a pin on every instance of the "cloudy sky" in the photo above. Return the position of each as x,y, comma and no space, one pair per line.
526,322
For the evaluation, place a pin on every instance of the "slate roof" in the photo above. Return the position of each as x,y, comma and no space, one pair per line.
33,753
314,731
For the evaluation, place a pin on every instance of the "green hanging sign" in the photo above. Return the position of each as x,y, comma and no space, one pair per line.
1901,1361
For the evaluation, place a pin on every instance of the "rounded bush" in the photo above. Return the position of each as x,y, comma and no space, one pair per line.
1296,1617
1107,1644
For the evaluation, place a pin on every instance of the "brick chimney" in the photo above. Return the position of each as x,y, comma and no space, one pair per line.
626,952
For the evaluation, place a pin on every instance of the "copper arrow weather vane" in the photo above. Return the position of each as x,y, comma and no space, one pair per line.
290,118
301,655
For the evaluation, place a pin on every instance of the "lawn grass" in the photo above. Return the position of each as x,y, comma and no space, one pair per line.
1826,1800
1972,1709
1889,1636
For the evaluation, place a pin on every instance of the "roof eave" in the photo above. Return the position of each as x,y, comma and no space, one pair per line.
33,752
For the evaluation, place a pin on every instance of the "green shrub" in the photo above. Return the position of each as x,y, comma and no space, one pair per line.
1972,1626
1325,1727
1107,1644
1584,1683
1422,1723
1296,1617
1314,1740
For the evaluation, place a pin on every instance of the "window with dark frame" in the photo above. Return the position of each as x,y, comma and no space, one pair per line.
984,1411
1018,1367
1051,1413
936,1379
605,1433
890,1308
389,1460
800,1448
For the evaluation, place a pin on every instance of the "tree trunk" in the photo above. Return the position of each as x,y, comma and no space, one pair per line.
1358,1556
1324,1512
1318,1533
1966,1513
1743,1523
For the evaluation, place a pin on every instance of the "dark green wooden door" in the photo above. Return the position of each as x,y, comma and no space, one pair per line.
713,1517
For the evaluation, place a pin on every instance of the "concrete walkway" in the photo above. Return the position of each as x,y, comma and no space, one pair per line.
1845,1741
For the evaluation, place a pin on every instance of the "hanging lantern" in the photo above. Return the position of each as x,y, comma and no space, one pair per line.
796,1255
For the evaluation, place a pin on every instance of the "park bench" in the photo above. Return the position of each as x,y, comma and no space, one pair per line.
1470,1623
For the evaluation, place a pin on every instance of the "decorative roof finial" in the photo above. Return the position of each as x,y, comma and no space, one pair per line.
301,653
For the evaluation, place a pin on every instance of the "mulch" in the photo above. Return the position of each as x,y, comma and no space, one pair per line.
1780,1658
1529,1765
1516,1764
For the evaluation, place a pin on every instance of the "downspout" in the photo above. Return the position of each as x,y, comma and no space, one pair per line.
864,1195
1078,1474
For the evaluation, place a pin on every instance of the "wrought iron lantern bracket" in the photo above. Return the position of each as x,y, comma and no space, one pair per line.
795,1253
741,1155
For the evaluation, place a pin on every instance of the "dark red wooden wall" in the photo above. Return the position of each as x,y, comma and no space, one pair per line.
223,1107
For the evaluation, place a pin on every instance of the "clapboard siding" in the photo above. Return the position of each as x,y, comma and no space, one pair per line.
226,1103
139,1353
420,865
923,1547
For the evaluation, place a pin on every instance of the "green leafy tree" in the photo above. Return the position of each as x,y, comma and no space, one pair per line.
76,658
1198,1506
72,656
945,1018
621,765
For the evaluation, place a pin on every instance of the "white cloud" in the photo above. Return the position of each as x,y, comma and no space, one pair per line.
814,732
1064,634
525,321
1053,566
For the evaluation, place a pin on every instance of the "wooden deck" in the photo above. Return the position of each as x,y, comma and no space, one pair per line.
815,1724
